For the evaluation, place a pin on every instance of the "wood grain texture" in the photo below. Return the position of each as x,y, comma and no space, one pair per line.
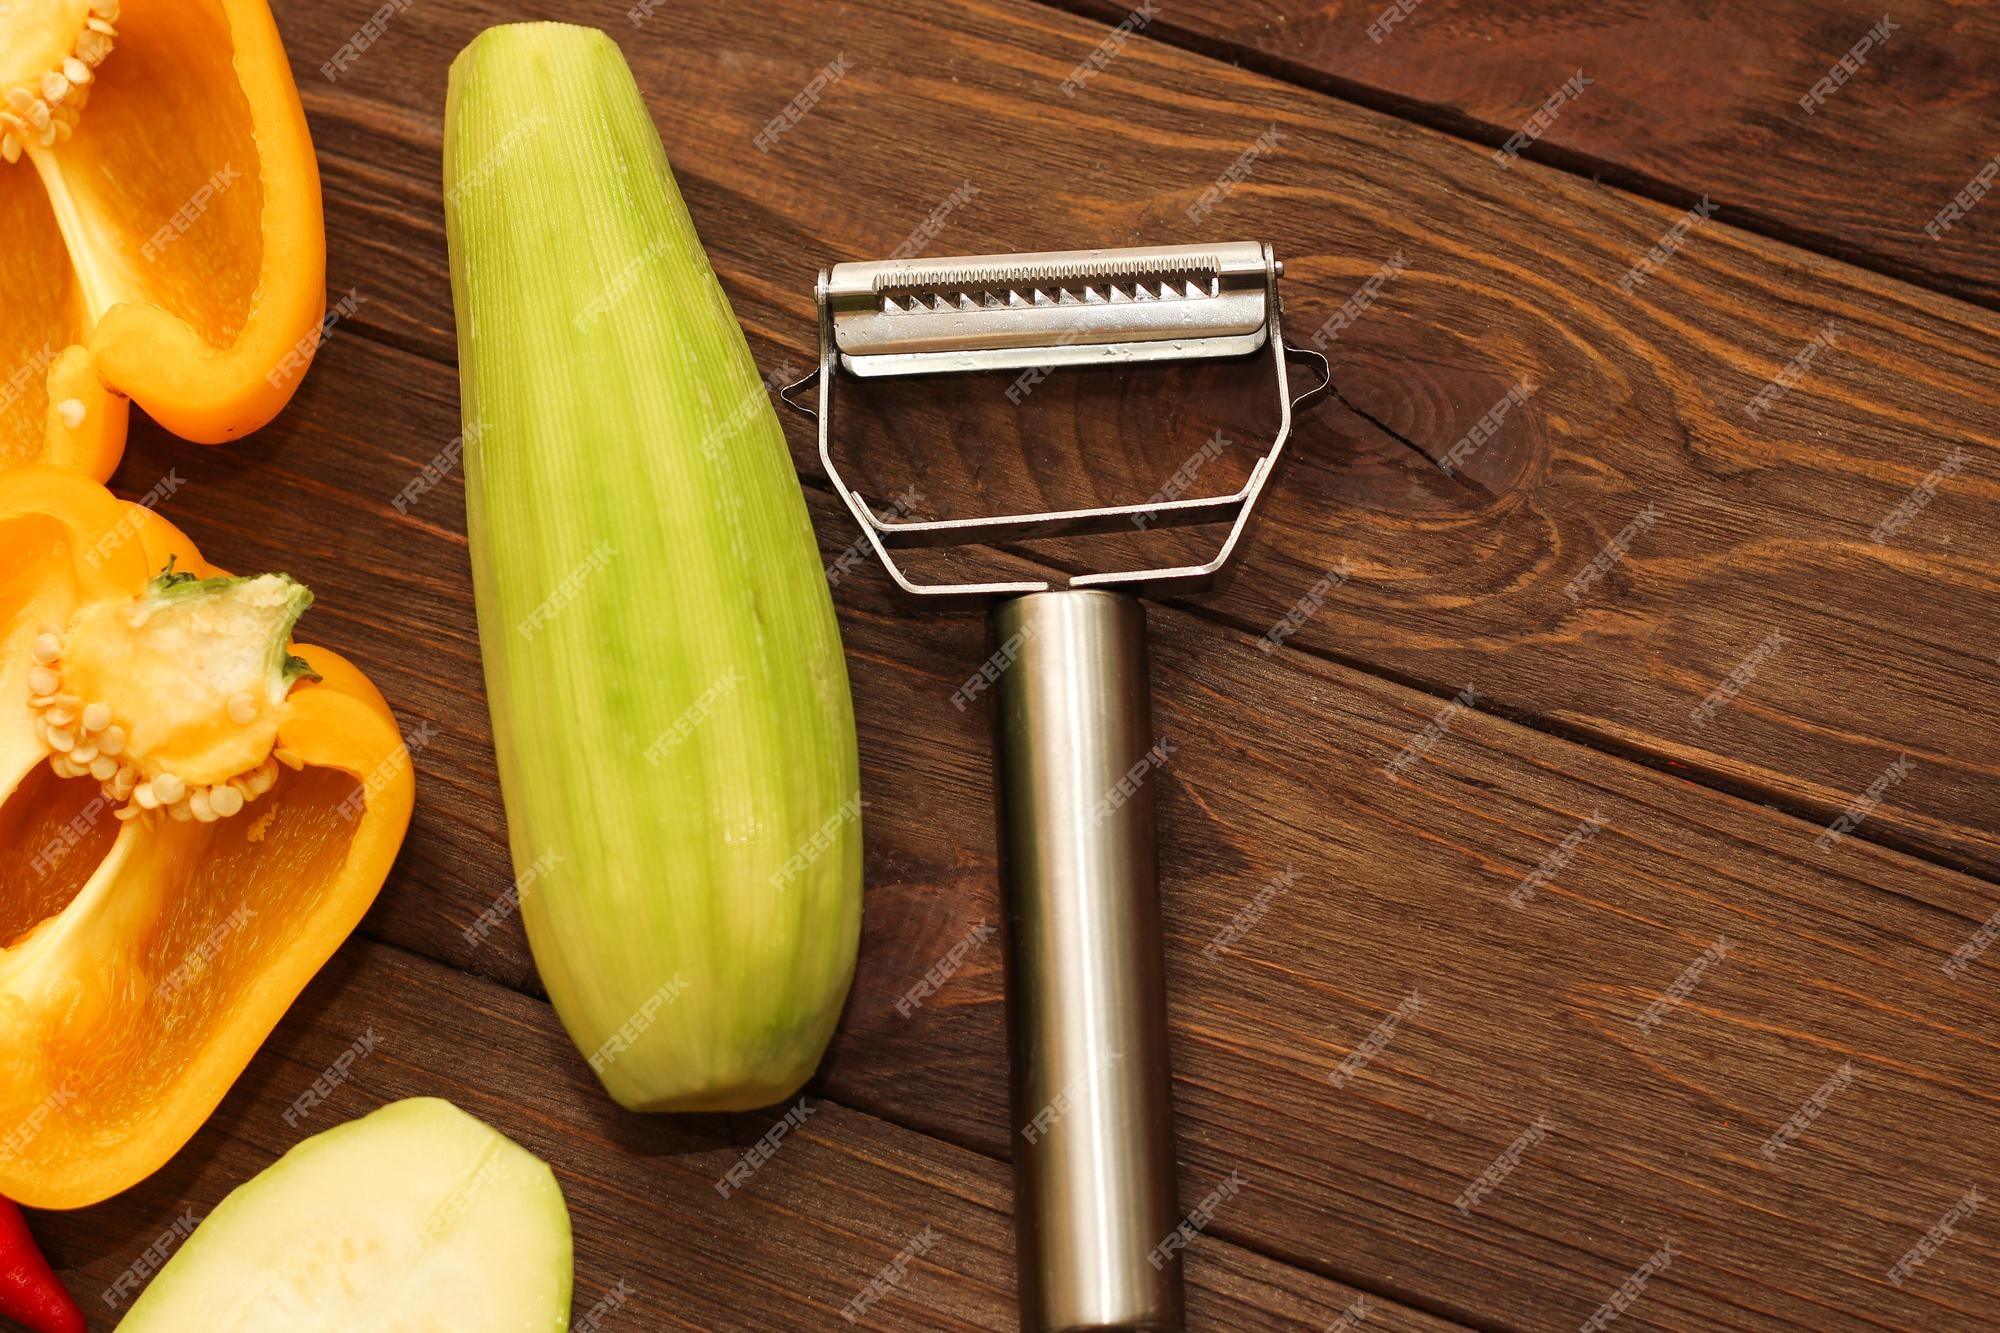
1401,887
841,1197
1831,957
1687,100
1638,398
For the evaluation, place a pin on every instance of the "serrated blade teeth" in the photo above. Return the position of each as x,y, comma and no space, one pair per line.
961,292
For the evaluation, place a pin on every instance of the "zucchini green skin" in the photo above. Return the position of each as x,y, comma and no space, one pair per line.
669,698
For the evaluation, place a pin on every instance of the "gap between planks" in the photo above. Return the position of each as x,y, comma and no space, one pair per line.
1388,1294
1469,129
1582,737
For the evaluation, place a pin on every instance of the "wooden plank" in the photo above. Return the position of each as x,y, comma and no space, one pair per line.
1402,887
1686,101
1511,275
843,1195
1834,956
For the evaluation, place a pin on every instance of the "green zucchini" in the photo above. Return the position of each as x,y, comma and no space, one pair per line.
669,699
415,1216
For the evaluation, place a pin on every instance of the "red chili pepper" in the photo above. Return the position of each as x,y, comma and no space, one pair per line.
29,1292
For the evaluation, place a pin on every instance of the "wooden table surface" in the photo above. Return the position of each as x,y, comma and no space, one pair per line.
1688,827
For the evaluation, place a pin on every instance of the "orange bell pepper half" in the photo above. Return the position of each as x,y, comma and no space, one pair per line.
194,813
161,235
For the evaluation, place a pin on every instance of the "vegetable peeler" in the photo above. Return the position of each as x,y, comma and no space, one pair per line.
1098,1226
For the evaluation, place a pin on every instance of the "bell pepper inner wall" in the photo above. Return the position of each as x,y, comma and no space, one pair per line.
53,833
136,999
168,253
167,132
179,935
41,309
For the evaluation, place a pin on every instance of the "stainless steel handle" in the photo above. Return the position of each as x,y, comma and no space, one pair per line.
1093,1149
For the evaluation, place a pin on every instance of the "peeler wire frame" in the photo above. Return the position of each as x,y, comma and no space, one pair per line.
885,535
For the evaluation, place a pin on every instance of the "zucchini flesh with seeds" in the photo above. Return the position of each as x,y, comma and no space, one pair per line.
416,1216
669,700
